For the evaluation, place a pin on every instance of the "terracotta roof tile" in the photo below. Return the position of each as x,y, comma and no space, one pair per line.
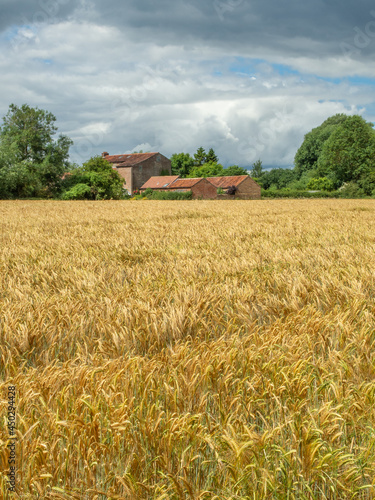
127,160
159,182
228,181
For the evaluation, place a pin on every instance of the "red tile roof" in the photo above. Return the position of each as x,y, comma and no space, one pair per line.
228,181
127,160
159,182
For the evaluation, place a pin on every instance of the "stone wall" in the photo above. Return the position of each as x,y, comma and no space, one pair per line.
248,188
150,168
126,174
204,190
236,197
136,175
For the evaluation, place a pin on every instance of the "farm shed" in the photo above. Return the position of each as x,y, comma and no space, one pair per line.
200,187
161,182
137,168
245,187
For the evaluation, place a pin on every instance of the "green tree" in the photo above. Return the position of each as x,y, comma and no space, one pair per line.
200,157
211,157
36,160
308,154
367,183
103,182
234,170
278,178
207,170
257,169
181,164
349,153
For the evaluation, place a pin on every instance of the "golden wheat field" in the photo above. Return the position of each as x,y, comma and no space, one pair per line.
189,350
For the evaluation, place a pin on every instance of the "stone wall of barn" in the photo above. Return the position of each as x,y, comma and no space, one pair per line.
149,168
136,175
248,188
204,190
126,174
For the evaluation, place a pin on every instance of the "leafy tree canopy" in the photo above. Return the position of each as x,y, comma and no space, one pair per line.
349,153
320,184
101,180
278,178
200,157
181,163
308,154
207,170
211,157
235,170
32,161
257,169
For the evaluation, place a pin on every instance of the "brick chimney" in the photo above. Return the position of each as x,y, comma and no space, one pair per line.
105,154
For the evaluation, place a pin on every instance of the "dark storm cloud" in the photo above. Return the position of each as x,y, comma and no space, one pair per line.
29,12
278,25
289,27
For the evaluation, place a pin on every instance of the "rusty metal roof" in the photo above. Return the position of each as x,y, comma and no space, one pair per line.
228,181
171,182
159,182
185,183
127,160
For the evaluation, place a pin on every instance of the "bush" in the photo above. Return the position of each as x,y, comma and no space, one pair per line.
367,183
351,190
78,192
321,184
101,180
292,193
171,195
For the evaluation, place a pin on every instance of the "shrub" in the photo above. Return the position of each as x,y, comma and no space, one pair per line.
291,193
351,190
321,183
78,192
171,195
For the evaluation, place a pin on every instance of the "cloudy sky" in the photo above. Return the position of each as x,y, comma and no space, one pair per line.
246,77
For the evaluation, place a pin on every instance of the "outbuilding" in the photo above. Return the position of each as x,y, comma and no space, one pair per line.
237,186
200,187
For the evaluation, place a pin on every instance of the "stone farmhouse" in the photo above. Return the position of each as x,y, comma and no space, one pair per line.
237,186
137,168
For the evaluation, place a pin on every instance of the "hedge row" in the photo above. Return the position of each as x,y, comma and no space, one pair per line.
169,195
289,193
293,193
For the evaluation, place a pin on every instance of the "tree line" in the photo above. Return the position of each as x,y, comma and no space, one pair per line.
339,154
34,163
202,164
